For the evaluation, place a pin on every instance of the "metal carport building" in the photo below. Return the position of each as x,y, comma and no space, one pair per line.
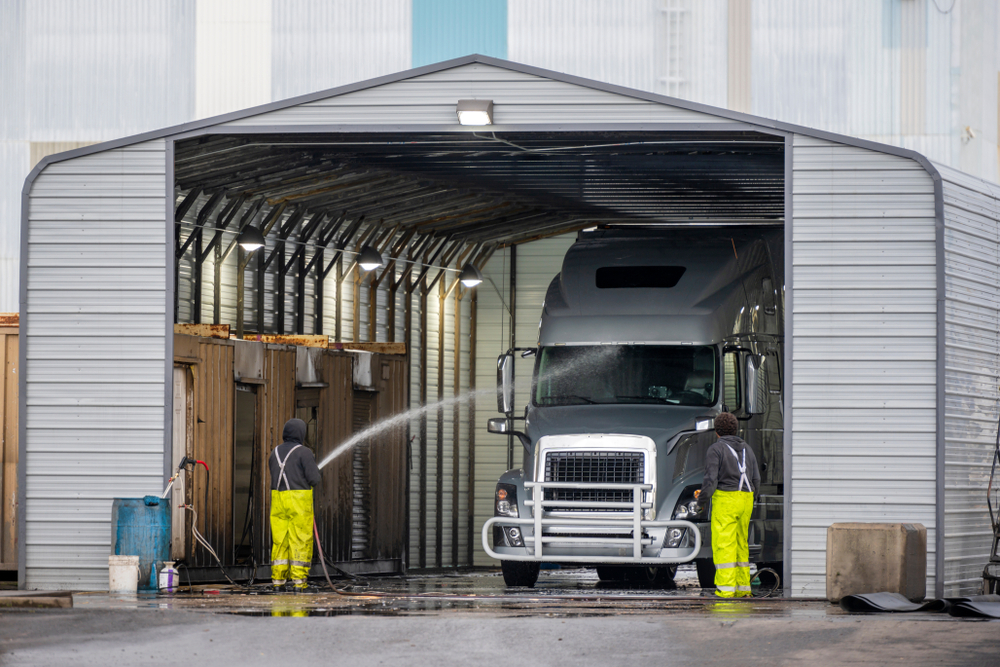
891,291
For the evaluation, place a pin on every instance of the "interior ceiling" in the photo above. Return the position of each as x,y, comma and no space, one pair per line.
498,188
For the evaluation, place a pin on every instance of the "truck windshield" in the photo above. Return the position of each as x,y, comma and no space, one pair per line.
580,375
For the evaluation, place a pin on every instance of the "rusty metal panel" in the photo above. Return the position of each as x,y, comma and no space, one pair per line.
212,442
388,461
276,405
333,498
8,446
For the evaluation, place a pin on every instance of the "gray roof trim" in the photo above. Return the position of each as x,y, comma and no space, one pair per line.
755,121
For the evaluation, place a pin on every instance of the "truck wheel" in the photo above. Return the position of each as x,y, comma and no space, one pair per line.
665,575
519,573
706,572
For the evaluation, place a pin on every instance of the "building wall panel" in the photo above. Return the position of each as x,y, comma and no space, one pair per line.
319,45
864,333
972,372
517,98
68,426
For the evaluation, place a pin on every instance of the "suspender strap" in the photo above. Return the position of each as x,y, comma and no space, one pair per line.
281,467
742,465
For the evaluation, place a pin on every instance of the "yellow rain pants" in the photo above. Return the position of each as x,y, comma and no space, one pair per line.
292,536
730,551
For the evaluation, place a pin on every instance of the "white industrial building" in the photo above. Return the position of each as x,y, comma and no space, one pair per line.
920,74
892,345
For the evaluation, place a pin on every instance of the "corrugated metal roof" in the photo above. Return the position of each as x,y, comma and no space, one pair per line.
498,187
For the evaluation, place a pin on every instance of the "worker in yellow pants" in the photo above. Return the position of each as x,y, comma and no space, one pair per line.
294,473
730,551
732,482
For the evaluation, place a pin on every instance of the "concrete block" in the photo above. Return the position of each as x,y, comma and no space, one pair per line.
876,558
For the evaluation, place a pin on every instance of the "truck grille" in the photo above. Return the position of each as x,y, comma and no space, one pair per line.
593,467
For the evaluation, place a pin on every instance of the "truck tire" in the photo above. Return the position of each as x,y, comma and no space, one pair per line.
706,572
519,573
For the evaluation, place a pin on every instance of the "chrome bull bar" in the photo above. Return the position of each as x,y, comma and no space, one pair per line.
541,519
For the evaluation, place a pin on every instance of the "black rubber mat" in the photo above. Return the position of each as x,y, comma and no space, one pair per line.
979,606
888,602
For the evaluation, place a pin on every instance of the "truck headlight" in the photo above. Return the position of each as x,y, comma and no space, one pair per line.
506,500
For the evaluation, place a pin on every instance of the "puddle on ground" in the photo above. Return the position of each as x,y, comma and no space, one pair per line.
558,593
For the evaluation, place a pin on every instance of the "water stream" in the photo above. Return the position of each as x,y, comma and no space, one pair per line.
589,361
402,418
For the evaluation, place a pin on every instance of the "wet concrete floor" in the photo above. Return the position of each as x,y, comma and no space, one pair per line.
569,618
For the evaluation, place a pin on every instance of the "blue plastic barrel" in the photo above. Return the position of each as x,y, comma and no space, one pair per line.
141,527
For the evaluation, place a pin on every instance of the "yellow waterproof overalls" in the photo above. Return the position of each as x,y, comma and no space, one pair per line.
291,530
730,526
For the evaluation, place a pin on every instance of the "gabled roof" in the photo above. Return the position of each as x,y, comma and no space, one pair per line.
565,152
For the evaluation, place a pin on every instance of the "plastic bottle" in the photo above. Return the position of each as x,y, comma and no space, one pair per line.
169,577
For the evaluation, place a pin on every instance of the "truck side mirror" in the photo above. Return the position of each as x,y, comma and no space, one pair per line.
505,383
756,398
498,425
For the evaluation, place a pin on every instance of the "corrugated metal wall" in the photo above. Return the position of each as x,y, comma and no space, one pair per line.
9,376
971,372
671,47
907,72
319,45
864,348
95,334
537,264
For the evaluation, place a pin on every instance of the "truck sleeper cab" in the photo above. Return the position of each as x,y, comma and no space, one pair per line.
644,337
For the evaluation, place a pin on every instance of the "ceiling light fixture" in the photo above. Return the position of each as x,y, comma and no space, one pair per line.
250,238
475,112
470,276
370,258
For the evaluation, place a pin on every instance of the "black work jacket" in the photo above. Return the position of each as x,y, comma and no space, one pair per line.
301,470
722,470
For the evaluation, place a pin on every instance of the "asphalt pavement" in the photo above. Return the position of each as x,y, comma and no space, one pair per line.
569,618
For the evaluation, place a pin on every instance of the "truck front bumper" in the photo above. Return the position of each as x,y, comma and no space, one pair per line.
620,537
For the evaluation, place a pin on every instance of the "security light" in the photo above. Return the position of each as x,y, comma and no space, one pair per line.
475,112
250,239
470,276
369,258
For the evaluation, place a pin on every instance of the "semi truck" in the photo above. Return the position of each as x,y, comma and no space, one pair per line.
646,334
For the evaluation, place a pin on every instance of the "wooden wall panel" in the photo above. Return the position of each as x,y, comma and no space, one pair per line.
212,442
275,406
8,447
389,461
334,497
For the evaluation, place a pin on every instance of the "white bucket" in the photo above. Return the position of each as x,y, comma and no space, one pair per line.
123,574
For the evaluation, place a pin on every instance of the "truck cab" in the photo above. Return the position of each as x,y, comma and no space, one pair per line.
645,336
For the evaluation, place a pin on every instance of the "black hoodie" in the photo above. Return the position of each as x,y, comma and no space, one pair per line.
722,470
300,468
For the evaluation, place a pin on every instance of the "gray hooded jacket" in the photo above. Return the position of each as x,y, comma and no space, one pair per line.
301,470
722,469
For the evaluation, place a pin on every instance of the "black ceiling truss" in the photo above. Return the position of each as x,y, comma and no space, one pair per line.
432,199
